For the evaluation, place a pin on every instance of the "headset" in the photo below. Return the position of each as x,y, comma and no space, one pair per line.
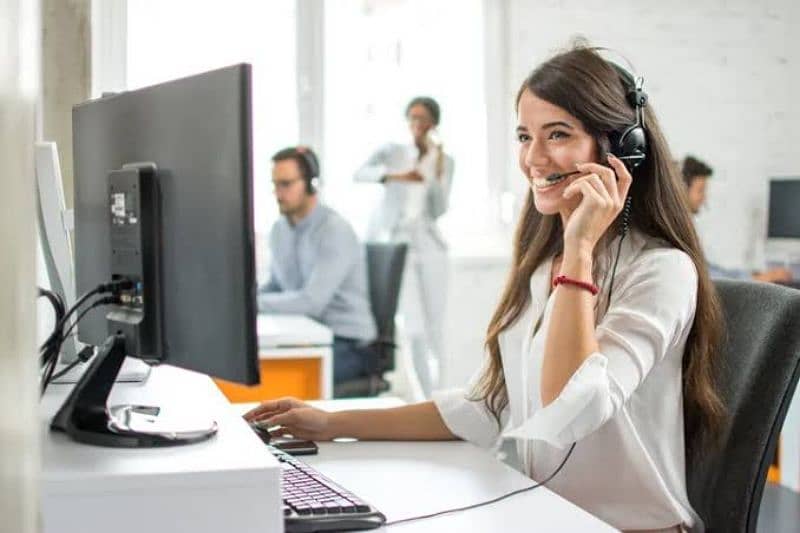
630,144
310,168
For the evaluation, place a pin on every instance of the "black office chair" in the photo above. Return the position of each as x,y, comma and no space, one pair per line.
385,265
759,374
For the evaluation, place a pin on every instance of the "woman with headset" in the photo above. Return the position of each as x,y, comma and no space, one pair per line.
416,180
608,326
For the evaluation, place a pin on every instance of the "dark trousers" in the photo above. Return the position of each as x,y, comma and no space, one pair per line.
352,358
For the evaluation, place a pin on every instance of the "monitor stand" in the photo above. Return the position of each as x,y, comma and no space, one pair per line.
85,417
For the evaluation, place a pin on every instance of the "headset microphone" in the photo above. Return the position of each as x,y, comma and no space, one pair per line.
557,176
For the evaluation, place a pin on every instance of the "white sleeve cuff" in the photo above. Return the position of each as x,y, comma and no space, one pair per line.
371,173
377,172
467,419
585,404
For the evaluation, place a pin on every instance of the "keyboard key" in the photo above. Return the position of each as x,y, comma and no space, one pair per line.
308,494
361,507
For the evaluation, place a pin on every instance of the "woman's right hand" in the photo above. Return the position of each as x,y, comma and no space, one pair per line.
294,417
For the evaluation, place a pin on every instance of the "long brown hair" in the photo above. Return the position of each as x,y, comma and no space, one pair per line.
581,82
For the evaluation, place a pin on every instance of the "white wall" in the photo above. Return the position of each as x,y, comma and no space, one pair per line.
723,77
475,285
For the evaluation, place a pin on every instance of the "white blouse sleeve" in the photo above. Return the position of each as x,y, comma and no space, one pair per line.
469,420
652,311
376,167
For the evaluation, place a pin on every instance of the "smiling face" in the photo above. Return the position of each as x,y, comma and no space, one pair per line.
551,141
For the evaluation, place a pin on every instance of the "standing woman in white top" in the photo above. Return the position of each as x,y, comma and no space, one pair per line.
597,382
416,180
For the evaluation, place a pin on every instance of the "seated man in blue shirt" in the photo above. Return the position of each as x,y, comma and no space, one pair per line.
695,174
318,266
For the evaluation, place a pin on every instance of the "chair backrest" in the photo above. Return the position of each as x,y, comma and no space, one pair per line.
385,264
758,376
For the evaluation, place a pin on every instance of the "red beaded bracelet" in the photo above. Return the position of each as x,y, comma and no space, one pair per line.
591,287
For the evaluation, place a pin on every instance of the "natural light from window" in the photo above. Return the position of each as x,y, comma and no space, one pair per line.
378,55
168,40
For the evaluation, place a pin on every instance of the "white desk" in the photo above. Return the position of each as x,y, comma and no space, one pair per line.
297,336
406,479
230,484
281,331
223,484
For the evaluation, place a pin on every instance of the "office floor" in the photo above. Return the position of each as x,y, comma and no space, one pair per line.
780,510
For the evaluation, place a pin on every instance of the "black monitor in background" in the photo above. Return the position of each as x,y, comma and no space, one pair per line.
163,209
784,209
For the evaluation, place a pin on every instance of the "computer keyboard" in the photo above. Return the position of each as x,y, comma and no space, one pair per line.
312,502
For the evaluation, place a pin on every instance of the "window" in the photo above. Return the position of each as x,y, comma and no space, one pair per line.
378,55
375,56
168,40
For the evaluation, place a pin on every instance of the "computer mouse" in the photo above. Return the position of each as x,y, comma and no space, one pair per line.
261,431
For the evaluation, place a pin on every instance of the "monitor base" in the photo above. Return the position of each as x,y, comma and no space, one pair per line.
85,417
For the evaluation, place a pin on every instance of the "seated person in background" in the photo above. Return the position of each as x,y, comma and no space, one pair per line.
318,266
695,175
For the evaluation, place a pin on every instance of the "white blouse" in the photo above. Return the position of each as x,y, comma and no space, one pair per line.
623,406
408,210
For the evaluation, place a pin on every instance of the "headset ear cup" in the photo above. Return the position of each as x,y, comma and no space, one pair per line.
312,165
630,146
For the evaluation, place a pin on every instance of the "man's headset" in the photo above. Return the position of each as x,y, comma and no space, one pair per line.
311,168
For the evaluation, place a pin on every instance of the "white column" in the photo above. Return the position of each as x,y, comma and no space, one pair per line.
109,46
499,103
310,73
20,35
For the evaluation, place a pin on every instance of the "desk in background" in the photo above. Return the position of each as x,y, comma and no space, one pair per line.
296,359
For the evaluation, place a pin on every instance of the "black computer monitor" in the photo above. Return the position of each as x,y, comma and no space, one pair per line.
784,209
163,202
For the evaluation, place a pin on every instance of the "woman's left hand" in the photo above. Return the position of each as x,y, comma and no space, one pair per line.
602,199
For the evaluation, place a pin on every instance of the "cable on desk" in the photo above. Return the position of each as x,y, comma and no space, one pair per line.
488,502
